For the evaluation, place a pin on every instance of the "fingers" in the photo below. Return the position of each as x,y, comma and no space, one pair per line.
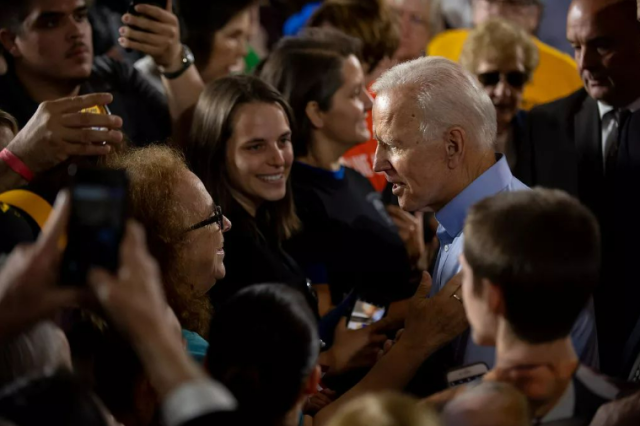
88,150
84,120
88,136
150,38
452,286
152,14
382,326
424,289
78,103
140,47
101,282
56,224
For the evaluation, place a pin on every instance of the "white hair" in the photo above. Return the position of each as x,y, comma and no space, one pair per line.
448,96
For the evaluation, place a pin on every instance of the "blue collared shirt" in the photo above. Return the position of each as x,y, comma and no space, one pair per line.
451,220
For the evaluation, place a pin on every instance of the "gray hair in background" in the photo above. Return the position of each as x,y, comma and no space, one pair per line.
448,96
42,348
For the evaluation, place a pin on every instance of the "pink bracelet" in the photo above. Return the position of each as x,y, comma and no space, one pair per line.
16,164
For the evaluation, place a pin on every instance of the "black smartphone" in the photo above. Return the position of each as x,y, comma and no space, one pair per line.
363,314
96,225
160,3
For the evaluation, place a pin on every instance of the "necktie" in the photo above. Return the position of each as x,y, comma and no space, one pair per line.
613,141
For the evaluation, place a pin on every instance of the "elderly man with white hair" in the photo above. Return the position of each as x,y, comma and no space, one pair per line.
435,128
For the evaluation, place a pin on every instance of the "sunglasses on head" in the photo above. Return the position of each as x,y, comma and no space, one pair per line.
217,217
516,79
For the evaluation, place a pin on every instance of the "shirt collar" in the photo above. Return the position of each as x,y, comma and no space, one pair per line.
604,108
452,216
564,408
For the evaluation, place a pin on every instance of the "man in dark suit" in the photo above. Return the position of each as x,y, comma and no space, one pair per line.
573,144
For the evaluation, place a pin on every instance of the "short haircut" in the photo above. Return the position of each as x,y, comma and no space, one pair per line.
14,12
542,249
498,39
448,96
37,350
493,399
385,409
201,20
153,172
370,21
308,68
211,130
264,346
54,399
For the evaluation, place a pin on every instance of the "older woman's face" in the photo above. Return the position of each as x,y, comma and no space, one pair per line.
414,25
202,253
500,78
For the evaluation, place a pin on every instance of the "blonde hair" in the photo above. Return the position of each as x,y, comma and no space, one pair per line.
498,39
385,409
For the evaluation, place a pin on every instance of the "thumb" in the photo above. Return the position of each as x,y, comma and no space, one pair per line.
169,5
101,282
425,286
341,327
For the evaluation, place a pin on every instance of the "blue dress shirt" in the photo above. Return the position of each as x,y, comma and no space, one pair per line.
451,220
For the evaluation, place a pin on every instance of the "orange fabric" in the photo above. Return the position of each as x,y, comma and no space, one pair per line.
556,76
361,157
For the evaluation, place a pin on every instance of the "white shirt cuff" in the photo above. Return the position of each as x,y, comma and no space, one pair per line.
195,399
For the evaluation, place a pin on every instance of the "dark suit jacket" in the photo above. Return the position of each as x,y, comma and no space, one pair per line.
562,148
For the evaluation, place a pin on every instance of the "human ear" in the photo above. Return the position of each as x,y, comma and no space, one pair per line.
495,298
314,114
8,40
455,144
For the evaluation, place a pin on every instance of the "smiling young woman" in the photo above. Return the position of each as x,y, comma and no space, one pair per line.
240,146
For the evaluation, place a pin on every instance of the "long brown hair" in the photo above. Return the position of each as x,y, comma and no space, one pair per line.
207,147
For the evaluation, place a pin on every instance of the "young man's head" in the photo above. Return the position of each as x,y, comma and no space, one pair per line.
530,263
49,39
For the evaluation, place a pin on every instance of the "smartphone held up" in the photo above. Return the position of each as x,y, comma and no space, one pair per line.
97,223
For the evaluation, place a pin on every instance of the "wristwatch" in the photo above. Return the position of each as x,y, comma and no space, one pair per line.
186,61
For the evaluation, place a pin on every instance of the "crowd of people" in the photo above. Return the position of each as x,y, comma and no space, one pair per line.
338,212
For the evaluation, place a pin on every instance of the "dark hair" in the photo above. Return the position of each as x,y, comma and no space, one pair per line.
56,400
308,68
370,21
542,248
201,19
212,128
13,13
264,346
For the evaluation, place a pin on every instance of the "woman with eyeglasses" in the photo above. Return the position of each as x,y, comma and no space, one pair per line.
240,146
503,58
184,229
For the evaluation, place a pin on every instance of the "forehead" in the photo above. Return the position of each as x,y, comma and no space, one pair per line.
501,61
260,119
607,17
56,6
192,196
410,5
396,116
352,70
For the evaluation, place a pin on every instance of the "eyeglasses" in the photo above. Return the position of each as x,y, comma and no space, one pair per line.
516,79
217,217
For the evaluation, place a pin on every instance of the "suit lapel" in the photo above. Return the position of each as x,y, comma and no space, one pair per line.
588,144
588,137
